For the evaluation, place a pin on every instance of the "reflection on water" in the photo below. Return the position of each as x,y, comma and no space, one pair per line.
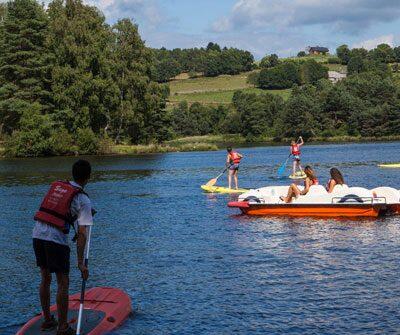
193,266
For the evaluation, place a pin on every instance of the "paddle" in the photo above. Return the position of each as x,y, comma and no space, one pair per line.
82,299
282,168
213,181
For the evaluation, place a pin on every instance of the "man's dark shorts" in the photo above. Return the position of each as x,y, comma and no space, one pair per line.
51,256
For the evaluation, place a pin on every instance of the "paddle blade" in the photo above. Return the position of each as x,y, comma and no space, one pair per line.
281,170
212,182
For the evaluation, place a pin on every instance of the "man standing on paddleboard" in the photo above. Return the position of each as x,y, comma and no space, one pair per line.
65,205
232,162
295,151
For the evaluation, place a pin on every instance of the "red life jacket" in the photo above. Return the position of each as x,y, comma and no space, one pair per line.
55,209
235,158
295,149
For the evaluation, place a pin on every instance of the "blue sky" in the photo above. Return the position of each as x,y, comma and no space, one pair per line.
261,26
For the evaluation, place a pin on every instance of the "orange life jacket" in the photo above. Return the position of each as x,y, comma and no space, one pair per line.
234,157
295,149
55,209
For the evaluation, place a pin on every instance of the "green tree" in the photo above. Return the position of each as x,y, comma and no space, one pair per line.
82,85
38,136
213,47
383,53
313,71
269,61
396,54
282,76
166,69
141,102
343,52
356,64
257,113
301,54
359,52
25,63
301,114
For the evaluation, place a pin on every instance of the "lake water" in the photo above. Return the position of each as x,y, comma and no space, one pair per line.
193,266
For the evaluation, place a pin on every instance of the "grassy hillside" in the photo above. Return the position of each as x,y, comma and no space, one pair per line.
222,97
220,90
214,90
209,84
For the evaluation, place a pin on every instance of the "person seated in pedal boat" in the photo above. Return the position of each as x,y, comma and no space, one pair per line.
233,159
336,179
295,151
294,190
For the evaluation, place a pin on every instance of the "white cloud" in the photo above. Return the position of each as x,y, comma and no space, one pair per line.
372,43
147,12
339,15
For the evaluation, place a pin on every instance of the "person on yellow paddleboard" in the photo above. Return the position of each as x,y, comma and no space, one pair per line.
295,151
232,162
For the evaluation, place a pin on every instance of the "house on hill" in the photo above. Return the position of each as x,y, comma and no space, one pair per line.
317,50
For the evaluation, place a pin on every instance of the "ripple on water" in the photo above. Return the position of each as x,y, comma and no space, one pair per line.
192,266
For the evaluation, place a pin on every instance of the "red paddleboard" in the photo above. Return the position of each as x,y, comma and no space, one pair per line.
106,308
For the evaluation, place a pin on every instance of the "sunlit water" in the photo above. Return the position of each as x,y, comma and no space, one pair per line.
193,266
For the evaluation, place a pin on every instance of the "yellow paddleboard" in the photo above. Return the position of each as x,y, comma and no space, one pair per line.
219,189
298,175
390,165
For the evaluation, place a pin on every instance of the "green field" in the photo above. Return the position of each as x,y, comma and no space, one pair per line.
214,90
207,84
222,97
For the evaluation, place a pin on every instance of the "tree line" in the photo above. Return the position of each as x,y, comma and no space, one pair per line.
361,60
210,61
365,104
282,75
68,79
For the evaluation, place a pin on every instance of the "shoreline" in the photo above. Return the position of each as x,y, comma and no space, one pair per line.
215,143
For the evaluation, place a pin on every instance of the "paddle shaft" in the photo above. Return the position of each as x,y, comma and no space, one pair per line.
83,288
222,172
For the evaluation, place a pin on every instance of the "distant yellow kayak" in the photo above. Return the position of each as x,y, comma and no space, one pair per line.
390,165
219,189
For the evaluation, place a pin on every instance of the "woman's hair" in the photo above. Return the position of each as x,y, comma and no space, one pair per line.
336,175
229,149
310,172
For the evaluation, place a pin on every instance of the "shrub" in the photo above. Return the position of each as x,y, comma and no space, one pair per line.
334,60
253,77
87,141
62,142
35,137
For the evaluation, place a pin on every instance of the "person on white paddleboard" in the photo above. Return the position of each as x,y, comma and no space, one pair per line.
295,151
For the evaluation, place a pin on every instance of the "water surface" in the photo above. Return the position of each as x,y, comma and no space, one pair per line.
193,266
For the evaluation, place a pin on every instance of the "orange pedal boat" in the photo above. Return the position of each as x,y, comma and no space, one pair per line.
351,202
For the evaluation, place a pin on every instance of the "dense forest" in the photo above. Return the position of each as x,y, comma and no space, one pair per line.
366,104
70,82
210,61
68,78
